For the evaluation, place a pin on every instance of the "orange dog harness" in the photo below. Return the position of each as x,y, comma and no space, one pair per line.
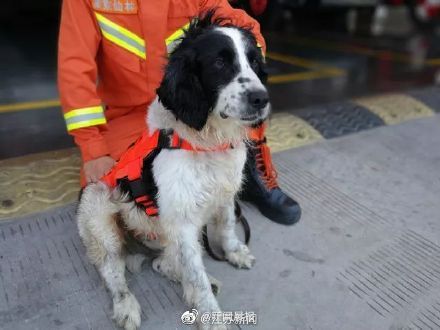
133,171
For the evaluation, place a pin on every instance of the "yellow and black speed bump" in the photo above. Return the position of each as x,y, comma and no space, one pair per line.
301,127
395,108
339,119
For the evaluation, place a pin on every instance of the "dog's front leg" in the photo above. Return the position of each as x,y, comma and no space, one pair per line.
236,252
187,254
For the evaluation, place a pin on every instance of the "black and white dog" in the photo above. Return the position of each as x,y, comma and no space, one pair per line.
212,91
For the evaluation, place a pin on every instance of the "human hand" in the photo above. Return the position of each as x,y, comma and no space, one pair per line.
97,168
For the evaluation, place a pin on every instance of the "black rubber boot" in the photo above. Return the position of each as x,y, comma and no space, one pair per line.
261,188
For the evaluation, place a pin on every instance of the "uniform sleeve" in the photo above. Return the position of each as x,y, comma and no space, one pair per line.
238,17
79,41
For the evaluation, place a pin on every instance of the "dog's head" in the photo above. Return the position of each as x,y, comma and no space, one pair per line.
218,70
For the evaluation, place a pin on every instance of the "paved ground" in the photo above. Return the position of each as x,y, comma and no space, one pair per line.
366,254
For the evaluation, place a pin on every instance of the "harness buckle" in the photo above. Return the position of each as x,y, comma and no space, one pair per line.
163,141
168,140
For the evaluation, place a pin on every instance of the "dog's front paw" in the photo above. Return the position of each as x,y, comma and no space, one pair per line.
127,312
241,258
163,267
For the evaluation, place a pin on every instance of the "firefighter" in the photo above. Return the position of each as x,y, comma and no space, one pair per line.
112,52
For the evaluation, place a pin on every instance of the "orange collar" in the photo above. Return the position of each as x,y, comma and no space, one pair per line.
176,142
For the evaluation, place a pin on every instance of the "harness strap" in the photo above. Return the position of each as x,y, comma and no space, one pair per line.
163,140
168,139
137,188
133,170
176,142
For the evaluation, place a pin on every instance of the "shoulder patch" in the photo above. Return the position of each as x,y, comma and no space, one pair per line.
116,6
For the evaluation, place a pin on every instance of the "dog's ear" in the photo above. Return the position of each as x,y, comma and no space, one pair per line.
181,91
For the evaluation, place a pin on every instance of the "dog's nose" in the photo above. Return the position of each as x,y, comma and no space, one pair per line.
258,99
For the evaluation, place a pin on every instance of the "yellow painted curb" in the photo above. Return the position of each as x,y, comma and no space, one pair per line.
395,108
38,182
287,131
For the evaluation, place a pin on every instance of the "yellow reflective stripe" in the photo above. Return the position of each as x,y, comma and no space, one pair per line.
86,123
121,36
83,111
85,117
124,45
176,34
120,29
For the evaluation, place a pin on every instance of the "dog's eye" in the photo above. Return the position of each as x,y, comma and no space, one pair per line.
254,65
219,63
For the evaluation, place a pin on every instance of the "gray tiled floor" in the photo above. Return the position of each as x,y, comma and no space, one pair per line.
366,254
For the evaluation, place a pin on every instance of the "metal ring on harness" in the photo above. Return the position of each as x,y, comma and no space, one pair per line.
247,234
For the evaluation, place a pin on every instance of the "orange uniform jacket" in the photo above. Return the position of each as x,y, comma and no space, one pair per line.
110,62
